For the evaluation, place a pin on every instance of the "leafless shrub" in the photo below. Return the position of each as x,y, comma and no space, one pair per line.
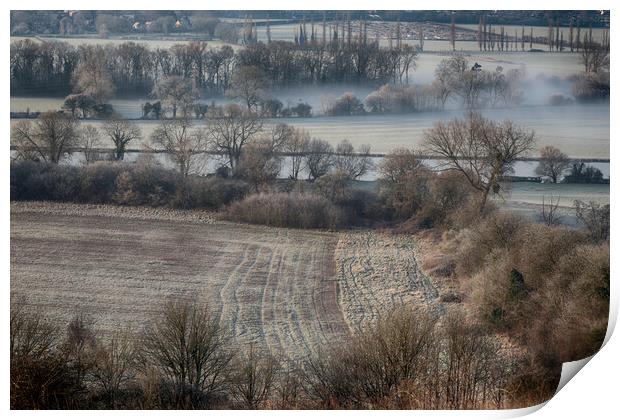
31,335
80,347
498,231
259,164
300,210
188,347
40,377
595,217
549,211
582,283
409,360
254,377
335,186
473,366
289,388
114,365
370,368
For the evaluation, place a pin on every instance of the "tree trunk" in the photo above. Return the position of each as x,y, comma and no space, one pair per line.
485,196
120,152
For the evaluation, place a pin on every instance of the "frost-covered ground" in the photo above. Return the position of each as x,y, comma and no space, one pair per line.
286,289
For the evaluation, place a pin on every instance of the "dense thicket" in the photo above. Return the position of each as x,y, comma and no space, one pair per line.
121,183
547,287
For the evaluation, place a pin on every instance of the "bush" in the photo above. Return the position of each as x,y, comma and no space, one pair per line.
591,87
584,174
558,99
148,185
212,193
121,183
296,210
496,232
409,360
301,110
595,218
547,286
347,104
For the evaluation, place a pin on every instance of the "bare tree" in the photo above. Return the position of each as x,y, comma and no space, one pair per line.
254,377
231,128
49,138
319,158
404,183
189,347
297,146
279,136
259,164
88,142
552,163
121,132
248,84
593,56
442,84
93,76
399,165
549,211
176,93
183,143
483,150
353,165
454,76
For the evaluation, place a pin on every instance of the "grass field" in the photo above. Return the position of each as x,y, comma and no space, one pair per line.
579,131
289,290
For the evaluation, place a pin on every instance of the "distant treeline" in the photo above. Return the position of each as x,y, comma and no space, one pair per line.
49,67
165,21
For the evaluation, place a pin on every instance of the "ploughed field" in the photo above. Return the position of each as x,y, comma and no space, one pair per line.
289,290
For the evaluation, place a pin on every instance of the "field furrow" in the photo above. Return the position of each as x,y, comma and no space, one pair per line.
376,272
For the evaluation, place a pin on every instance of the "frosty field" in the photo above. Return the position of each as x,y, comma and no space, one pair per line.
286,289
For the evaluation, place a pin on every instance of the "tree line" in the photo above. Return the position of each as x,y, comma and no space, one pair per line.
133,68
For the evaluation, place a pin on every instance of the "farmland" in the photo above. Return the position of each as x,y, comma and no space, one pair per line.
289,290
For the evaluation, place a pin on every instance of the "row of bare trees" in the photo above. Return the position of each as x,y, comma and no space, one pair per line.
134,68
250,149
482,150
53,136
